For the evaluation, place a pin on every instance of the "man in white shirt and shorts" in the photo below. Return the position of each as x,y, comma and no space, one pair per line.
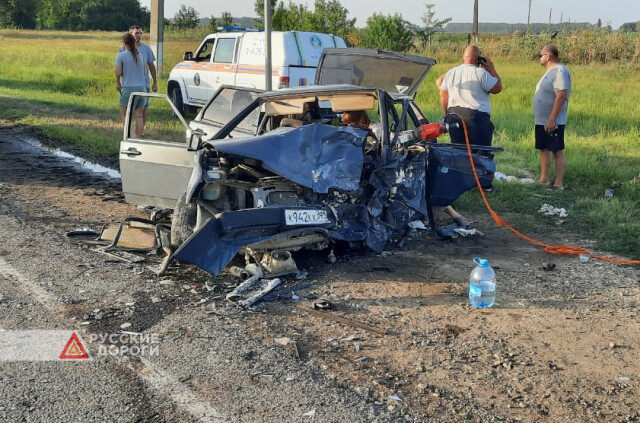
550,104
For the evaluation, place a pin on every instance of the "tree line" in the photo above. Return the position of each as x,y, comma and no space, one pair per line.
72,15
382,31
388,32
630,27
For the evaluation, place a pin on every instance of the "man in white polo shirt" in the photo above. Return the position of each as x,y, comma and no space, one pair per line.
465,90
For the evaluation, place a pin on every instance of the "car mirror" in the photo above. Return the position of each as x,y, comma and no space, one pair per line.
194,138
187,55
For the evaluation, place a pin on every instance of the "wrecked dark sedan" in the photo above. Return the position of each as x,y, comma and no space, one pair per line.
272,172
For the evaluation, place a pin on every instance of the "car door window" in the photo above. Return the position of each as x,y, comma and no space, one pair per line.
160,125
224,50
399,110
226,104
392,117
204,53
419,115
249,124
413,116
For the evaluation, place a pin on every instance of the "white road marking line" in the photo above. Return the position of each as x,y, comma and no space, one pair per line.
163,381
31,288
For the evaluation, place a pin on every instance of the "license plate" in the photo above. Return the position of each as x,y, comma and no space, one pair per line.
305,217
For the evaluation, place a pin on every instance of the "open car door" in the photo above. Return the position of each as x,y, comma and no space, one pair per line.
156,167
394,72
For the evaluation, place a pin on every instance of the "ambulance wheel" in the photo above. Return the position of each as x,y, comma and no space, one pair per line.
176,99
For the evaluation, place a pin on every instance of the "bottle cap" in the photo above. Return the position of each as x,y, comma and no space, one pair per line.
481,262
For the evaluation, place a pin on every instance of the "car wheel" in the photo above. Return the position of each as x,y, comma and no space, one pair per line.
183,221
176,99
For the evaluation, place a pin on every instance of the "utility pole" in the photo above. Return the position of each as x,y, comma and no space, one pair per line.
529,18
475,20
157,32
550,10
267,47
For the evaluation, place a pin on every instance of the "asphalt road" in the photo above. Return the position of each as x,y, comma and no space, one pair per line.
204,366
560,345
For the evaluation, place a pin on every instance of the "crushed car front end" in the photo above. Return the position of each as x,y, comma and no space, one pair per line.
279,171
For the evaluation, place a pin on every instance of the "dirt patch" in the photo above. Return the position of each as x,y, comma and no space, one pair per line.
561,343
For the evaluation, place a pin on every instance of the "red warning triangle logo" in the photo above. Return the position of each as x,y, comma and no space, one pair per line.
74,350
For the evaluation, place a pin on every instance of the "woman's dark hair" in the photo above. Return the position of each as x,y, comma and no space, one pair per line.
356,117
130,41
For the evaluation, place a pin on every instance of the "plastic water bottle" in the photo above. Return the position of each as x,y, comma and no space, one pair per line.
482,284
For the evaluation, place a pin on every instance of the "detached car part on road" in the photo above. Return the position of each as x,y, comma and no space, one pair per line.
278,171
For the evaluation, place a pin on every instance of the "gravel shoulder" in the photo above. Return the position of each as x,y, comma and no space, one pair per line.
560,345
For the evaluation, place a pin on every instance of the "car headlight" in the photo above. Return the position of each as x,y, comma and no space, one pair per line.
212,189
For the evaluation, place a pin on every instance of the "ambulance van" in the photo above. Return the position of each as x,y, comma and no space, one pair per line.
238,58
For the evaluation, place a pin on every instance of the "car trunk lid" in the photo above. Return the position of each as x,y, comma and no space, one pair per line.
395,72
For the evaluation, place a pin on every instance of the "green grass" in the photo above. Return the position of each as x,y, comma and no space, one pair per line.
602,151
62,85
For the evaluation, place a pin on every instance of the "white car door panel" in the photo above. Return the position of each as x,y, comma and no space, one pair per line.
155,170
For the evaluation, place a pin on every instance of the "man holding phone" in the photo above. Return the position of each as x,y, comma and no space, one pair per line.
464,93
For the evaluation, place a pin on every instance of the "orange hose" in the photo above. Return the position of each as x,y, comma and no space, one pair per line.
551,249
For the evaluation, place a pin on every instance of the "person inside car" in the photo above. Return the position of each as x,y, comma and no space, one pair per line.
360,119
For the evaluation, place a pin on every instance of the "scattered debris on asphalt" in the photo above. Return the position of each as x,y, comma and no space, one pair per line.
548,267
322,305
251,290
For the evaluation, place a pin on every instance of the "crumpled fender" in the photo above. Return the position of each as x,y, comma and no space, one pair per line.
212,247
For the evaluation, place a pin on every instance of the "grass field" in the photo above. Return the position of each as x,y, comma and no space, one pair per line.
62,85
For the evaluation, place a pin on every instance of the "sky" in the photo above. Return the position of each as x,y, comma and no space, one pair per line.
612,12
